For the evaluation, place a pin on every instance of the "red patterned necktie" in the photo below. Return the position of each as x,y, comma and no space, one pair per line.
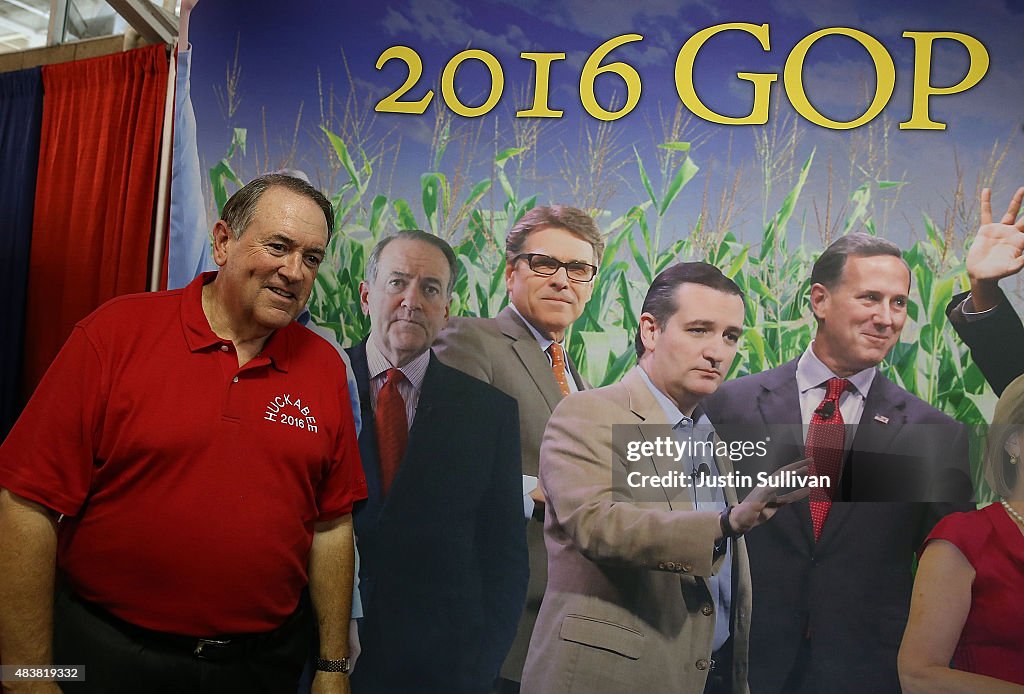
558,367
392,428
826,436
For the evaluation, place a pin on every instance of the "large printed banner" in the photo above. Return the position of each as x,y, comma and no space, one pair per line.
749,134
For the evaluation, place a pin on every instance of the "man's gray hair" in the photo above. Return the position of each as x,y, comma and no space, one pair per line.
240,208
414,235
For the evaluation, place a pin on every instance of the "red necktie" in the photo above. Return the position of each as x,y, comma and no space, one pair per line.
826,436
558,367
392,428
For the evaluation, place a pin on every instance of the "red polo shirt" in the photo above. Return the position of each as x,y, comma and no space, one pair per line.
189,485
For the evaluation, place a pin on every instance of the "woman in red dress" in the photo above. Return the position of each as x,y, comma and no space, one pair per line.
966,626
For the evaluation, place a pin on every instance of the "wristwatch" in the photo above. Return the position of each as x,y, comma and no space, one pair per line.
324,665
727,530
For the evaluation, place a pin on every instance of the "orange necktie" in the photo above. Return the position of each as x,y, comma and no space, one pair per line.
558,367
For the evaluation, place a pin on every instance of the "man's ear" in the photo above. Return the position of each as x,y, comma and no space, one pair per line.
509,269
820,300
649,331
364,297
222,236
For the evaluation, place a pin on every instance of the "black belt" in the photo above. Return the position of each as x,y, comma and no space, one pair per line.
219,648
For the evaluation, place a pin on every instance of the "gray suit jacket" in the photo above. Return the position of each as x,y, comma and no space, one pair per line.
628,605
503,352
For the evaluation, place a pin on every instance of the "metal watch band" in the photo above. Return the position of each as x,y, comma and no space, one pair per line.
324,665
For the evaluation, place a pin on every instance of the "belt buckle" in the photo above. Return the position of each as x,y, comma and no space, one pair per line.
210,649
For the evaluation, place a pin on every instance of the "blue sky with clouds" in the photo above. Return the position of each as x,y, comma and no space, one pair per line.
282,48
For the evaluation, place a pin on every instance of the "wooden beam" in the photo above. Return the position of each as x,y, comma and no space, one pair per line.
153,23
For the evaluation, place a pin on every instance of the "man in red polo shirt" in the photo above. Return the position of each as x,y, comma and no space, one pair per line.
187,465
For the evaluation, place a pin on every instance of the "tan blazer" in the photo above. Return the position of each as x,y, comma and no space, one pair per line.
503,352
628,607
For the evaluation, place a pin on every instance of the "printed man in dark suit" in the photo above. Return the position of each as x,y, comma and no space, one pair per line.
442,541
832,581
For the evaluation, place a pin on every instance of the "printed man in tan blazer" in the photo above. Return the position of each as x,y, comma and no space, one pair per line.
648,585
551,255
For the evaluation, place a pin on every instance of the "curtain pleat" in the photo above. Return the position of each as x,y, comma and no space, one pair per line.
95,193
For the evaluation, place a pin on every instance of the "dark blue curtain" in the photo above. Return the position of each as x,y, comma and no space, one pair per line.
21,115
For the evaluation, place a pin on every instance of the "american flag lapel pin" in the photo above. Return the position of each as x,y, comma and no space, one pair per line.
881,419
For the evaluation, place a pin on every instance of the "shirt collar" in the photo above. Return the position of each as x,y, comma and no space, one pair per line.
200,336
672,413
812,373
414,371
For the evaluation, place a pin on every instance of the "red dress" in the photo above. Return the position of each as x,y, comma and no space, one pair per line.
992,640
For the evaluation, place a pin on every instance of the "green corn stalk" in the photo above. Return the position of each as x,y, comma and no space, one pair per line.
773,274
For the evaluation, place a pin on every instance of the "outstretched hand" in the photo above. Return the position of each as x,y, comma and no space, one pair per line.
764,500
998,250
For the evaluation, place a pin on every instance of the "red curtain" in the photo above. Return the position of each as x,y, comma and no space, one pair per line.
95,193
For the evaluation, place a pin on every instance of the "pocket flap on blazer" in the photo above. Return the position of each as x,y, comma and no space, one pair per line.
601,634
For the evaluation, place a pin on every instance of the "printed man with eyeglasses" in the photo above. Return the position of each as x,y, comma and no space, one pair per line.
551,256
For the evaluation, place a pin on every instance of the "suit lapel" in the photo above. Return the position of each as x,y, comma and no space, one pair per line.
580,383
884,416
652,425
435,395
368,435
524,344
779,406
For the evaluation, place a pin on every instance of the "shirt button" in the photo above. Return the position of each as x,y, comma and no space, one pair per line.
223,348
661,565
235,379
687,568
702,664
707,609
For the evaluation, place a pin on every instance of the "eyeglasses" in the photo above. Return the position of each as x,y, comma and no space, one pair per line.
546,265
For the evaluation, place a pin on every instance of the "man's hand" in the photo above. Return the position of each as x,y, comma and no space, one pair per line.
762,503
330,683
996,252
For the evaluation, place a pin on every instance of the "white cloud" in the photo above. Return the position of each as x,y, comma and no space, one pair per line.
449,23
